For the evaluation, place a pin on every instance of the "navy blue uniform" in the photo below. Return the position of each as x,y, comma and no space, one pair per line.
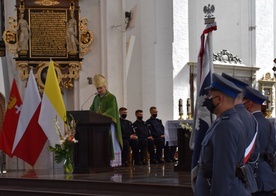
143,132
265,177
222,151
157,129
127,130
250,125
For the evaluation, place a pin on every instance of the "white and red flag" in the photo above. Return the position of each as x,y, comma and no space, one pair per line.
30,138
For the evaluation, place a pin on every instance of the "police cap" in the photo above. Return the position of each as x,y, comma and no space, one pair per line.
225,86
237,82
254,95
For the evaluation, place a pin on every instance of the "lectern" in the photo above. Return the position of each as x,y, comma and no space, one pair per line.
184,152
92,152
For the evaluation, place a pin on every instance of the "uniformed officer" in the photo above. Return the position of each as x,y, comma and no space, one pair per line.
265,176
223,147
129,138
145,138
157,131
251,127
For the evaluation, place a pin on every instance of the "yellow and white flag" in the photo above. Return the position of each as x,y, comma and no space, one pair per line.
52,106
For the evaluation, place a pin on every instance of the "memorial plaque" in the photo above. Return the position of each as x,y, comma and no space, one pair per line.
48,33
44,30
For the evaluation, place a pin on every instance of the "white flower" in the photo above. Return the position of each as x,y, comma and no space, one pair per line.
185,126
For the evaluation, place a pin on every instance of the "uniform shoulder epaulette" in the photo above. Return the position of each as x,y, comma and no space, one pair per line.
225,118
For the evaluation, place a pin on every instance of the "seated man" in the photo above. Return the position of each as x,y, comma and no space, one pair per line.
145,138
157,132
129,138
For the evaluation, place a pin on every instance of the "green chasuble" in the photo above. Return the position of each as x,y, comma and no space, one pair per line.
107,106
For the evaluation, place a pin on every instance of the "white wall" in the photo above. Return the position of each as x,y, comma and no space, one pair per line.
92,60
264,36
150,75
180,55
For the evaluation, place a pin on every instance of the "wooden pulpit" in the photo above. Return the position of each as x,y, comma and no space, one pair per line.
92,152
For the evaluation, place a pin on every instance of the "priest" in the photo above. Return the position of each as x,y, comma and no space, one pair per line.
105,104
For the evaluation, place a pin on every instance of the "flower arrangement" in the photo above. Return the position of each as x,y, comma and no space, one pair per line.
63,151
185,126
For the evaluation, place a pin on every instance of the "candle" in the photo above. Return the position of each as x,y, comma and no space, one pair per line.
189,107
180,106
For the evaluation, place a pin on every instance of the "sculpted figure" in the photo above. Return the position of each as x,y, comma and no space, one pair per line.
24,34
71,35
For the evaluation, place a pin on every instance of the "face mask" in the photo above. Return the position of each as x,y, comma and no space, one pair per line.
140,117
154,115
210,105
123,116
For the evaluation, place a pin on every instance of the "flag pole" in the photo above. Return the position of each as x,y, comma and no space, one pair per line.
211,63
17,167
209,20
211,52
52,153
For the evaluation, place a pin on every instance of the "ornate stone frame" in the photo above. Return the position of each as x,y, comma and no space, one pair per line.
2,28
67,67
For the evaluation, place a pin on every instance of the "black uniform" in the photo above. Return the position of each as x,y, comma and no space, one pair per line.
127,130
157,129
143,132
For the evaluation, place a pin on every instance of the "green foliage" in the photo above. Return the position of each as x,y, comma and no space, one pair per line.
62,152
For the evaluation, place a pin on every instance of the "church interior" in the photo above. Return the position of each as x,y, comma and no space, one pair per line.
147,50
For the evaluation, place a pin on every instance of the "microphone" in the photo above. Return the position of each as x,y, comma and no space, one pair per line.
93,94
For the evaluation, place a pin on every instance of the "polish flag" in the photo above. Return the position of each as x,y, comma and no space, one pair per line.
10,121
30,138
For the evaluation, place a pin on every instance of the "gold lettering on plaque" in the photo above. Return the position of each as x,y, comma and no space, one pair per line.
48,29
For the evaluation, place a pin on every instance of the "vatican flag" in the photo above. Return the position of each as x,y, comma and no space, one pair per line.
52,107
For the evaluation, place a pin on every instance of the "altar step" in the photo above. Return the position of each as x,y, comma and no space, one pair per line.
41,187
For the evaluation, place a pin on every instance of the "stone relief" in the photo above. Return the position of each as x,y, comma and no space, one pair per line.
225,56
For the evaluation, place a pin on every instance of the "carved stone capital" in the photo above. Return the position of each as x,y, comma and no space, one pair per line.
10,36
